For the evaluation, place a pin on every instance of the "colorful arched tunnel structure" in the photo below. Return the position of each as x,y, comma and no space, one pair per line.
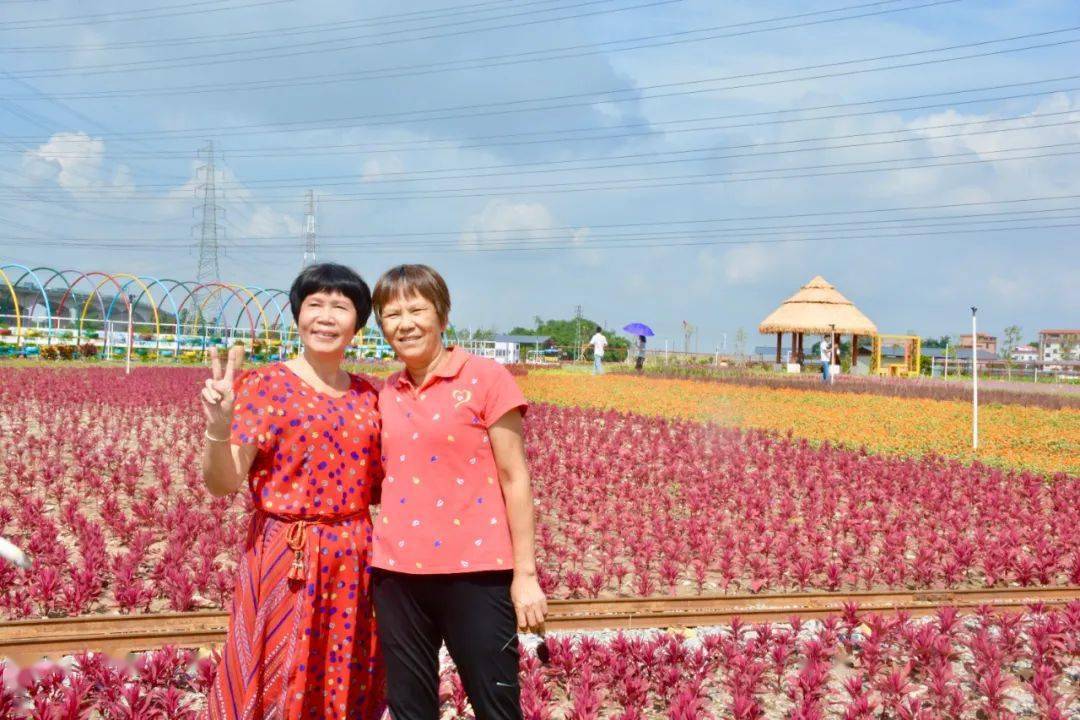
172,309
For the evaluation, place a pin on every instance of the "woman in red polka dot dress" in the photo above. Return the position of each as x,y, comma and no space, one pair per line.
304,434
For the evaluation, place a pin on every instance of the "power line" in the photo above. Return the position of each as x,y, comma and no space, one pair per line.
528,237
515,58
729,176
280,51
323,79
758,218
412,16
130,15
500,247
561,134
715,153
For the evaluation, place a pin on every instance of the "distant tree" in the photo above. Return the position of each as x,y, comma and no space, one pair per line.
484,334
740,342
568,335
1013,333
1069,347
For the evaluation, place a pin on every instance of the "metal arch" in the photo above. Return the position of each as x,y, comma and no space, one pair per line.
135,303
131,304
55,274
18,314
62,274
283,320
31,273
252,297
146,291
219,287
106,277
188,285
270,296
71,286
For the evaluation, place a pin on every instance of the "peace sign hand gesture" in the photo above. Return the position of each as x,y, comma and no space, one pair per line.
217,395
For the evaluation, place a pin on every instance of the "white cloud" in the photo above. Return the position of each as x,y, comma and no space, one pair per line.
1008,290
266,221
375,168
745,264
75,162
503,221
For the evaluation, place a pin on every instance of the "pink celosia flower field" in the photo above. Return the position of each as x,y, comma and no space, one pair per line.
849,667
99,483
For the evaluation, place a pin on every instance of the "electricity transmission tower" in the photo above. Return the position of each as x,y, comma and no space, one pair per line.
209,238
309,230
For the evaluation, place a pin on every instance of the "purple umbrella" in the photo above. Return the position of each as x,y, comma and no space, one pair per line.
639,329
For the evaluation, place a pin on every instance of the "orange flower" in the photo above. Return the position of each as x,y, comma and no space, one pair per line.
1009,435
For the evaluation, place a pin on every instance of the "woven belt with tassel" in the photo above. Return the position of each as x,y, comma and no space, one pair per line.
296,538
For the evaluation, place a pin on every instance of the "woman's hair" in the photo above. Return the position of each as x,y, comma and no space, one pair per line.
641,338
331,278
408,280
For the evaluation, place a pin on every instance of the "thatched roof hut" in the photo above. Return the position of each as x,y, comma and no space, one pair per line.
818,308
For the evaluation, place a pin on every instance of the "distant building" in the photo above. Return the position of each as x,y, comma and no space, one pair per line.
1055,344
1024,354
511,349
985,342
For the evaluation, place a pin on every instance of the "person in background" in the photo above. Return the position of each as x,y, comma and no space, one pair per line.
826,358
599,345
454,546
639,361
302,437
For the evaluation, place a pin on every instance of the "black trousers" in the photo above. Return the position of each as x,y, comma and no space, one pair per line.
473,614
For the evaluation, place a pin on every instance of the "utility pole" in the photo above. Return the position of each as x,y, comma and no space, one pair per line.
688,334
577,333
309,230
209,235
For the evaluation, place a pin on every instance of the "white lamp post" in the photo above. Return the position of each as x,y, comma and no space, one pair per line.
974,381
131,332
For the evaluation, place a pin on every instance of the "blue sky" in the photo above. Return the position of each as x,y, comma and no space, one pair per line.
667,154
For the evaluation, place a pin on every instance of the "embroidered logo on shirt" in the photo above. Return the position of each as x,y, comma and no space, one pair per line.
461,397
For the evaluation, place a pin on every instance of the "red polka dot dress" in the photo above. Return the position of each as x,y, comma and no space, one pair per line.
301,641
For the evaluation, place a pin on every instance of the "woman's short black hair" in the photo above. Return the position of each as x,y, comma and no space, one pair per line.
331,278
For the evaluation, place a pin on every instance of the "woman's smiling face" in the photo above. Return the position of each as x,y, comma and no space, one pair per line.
413,328
327,322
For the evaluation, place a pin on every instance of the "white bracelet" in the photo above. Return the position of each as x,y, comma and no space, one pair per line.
211,438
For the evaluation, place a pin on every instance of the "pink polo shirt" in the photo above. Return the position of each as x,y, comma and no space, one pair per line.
442,504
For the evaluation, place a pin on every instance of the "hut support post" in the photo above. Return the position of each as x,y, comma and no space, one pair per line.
792,351
854,351
779,336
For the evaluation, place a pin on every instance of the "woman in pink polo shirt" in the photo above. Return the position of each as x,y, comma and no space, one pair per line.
453,545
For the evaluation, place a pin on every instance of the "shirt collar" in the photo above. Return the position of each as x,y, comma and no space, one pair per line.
450,367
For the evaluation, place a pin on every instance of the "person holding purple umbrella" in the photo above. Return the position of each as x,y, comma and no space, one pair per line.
642,331
639,361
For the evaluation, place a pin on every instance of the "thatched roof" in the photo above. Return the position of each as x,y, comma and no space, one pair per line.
813,309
